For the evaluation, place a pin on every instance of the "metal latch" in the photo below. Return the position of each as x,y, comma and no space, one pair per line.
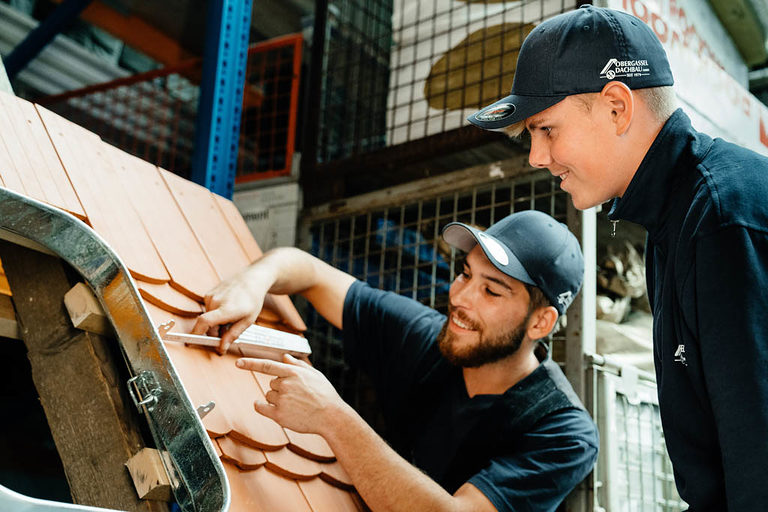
144,390
203,410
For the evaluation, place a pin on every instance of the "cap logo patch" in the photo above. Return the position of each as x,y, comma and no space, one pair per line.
496,112
565,299
625,68
492,246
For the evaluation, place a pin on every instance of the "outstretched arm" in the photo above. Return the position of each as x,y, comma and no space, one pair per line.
303,400
284,271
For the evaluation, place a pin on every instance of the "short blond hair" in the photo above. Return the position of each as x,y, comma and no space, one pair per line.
661,102
515,130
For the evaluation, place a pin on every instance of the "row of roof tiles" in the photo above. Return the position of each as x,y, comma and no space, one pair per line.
178,240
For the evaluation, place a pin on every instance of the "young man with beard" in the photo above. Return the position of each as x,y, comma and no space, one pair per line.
593,89
478,419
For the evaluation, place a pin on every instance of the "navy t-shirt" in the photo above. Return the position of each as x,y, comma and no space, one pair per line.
525,449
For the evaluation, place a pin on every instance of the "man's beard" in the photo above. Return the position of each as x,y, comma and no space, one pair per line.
488,349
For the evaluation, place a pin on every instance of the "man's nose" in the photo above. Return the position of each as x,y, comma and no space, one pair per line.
540,155
461,294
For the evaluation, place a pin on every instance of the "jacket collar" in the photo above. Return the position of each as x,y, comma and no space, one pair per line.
646,199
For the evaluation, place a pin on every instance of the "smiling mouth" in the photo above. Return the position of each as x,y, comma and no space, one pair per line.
461,324
563,176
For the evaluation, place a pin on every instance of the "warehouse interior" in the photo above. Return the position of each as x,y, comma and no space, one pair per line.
337,127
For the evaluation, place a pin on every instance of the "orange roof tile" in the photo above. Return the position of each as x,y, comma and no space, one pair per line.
36,169
169,299
188,267
178,240
209,225
107,207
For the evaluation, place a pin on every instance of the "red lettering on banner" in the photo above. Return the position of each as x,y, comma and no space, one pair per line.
745,104
656,21
763,135
643,16
687,34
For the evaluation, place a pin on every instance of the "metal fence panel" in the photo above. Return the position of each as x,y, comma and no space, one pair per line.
402,70
634,473
152,115
398,247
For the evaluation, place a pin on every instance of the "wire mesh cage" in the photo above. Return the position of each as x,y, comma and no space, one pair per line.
398,247
356,74
401,70
152,115
634,471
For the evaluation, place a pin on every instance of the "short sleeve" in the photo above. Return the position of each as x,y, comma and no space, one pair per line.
391,338
551,460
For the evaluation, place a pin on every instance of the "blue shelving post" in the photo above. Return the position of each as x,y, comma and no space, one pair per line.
217,129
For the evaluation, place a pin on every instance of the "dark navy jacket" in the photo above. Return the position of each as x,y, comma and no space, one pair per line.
704,203
524,449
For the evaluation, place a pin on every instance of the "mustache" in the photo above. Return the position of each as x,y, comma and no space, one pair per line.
462,317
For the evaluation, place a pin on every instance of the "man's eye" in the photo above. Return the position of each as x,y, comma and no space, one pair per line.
491,293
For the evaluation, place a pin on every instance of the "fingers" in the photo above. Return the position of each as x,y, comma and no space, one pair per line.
272,396
266,409
210,319
266,366
232,333
289,359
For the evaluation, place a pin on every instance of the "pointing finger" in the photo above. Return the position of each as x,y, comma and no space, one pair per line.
266,409
289,359
266,366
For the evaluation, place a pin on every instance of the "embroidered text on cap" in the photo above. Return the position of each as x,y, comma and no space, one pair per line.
625,68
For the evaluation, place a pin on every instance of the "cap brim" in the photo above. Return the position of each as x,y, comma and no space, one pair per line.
466,237
511,110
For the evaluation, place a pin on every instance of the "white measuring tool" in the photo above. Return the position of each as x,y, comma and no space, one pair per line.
255,341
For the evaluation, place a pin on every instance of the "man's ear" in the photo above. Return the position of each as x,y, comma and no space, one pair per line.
542,322
620,102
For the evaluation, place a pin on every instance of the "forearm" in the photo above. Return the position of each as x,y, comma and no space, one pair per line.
386,481
289,271
302,399
284,271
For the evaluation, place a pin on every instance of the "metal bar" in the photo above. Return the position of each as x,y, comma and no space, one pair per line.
435,239
399,265
184,68
217,129
44,33
580,330
173,421
314,89
416,249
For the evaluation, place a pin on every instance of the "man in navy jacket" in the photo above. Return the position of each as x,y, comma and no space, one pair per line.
593,89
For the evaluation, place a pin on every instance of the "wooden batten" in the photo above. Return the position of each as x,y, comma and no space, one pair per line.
85,311
93,422
149,475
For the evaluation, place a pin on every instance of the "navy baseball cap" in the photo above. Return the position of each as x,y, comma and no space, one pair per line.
578,52
531,247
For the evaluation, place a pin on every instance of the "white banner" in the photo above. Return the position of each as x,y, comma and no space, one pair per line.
699,53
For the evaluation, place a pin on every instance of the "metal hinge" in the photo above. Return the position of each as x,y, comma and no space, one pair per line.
144,390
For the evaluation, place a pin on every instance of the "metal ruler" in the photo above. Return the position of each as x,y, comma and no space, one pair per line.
255,341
